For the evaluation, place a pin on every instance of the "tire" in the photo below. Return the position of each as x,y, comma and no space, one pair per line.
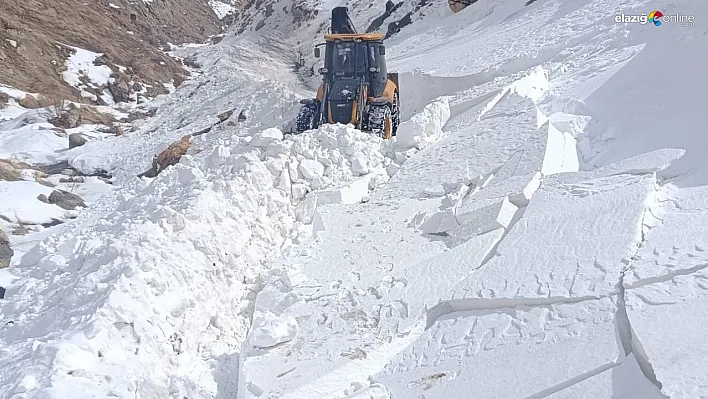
395,114
381,121
307,117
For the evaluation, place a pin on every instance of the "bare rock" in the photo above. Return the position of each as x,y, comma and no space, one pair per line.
33,102
168,157
225,115
120,89
4,99
459,5
76,116
66,200
6,251
72,179
76,140
10,169
20,230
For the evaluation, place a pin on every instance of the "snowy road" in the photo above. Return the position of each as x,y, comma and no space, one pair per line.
534,231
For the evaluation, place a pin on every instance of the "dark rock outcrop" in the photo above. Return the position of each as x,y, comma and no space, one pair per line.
76,140
65,200
6,251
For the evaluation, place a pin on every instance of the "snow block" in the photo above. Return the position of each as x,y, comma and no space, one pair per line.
299,191
351,193
424,127
219,156
311,169
594,227
672,311
439,222
375,391
359,164
498,214
264,138
514,352
269,330
561,149
680,244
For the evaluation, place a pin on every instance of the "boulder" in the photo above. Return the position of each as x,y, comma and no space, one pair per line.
76,140
168,157
6,251
66,200
120,88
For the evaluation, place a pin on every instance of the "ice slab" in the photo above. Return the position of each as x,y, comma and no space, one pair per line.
506,353
667,320
570,242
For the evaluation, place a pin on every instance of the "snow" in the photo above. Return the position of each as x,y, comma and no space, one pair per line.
32,145
12,92
221,9
81,63
19,203
529,233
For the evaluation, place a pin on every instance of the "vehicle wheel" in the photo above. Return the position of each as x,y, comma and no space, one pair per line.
381,122
395,114
307,117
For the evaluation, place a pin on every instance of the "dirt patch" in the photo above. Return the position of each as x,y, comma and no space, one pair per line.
76,116
130,36
10,170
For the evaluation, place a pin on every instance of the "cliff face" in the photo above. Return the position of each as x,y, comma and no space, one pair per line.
37,39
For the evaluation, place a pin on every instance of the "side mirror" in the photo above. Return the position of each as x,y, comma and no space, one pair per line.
323,71
317,52
382,50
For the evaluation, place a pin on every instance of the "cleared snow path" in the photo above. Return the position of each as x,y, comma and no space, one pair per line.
497,260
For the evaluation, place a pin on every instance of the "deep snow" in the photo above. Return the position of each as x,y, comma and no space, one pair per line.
531,232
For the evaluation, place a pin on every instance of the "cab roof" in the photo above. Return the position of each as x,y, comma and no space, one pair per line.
330,37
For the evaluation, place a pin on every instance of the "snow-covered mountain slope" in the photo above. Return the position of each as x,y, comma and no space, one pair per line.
532,232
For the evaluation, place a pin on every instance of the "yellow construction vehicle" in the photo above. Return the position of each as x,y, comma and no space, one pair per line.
356,88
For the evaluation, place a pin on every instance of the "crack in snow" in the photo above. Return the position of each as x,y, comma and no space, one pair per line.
630,342
475,304
573,381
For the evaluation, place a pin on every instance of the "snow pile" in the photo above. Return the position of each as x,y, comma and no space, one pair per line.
211,224
83,73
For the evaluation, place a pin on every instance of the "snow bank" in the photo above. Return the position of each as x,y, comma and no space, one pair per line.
210,225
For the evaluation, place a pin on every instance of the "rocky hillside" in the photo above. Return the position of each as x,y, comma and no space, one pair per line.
385,16
98,51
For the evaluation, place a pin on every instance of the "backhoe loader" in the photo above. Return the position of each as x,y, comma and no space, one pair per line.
356,87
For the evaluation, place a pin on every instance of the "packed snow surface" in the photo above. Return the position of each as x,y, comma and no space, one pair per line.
536,229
